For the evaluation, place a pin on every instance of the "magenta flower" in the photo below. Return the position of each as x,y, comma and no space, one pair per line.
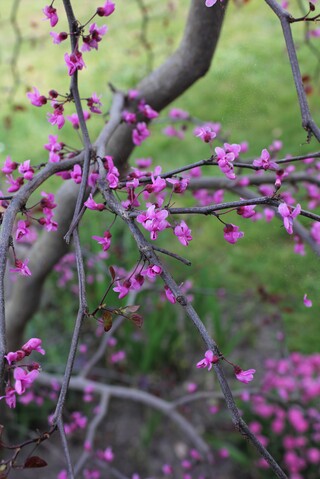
35,98
92,205
178,114
74,62
307,302
76,174
122,289
94,103
152,271
179,186
288,214
154,221
15,185
92,40
169,294
21,268
58,37
140,133
74,119
56,118
246,211
129,117
205,133
51,14
22,229
210,3
107,9
105,241
224,160
147,111
108,454
24,379
232,233
34,344
113,172
209,359
265,162
13,357
10,397
9,166
183,233
26,170
244,376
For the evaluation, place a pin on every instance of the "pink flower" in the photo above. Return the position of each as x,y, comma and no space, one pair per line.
122,289
265,162
147,111
9,166
107,9
105,241
129,117
152,271
307,302
205,133
15,184
34,344
74,119
10,397
21,268
56,118
154,221
35,98
94,103
108,454
209,359
113,172
288,214
92,205
179,186
26,170
58,37
13,357
76,174
178,114
24,379
183,233
169,294
246,211
51,14
74,62
210,3
244,376
22,229
140,133
92,40
224,160
232,233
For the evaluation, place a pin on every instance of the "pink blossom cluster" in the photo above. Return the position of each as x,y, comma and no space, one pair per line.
24,374
286,414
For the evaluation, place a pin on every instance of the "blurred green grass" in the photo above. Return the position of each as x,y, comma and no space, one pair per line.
249,89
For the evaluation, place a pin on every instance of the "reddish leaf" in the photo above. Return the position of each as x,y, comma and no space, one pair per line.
35,461
107,320
112,273
137,319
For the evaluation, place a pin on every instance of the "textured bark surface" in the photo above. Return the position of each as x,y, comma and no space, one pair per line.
188,63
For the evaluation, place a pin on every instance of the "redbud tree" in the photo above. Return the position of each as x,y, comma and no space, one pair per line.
42,226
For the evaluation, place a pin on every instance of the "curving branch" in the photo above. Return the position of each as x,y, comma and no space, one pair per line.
286,19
